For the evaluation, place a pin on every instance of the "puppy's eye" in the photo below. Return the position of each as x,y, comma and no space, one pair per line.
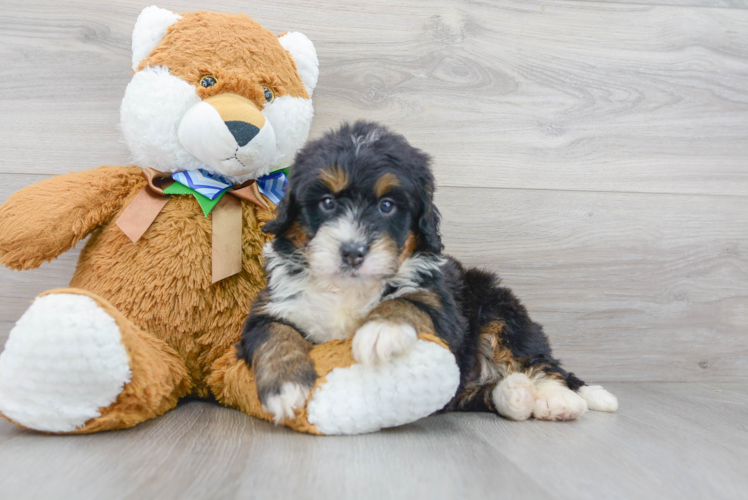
386,206
269,94
208,81
327,203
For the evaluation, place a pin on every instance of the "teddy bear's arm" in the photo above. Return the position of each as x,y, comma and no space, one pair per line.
41,221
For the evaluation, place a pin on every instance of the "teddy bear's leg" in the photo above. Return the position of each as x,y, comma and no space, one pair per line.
349,397
74,364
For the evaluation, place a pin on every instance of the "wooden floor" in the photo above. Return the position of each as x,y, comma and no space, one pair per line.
594,153
670,440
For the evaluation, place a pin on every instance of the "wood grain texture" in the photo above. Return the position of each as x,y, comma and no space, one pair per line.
592,153
564,95
727,4
629,286
668,440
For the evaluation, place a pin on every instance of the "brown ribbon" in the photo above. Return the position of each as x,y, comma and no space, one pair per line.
227,219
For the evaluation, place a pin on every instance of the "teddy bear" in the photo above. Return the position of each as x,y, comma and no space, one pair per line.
214,114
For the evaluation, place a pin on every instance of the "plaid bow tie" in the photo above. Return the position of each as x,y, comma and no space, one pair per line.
212,186
273,185
208,184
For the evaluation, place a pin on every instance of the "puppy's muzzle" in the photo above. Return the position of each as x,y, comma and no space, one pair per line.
353,254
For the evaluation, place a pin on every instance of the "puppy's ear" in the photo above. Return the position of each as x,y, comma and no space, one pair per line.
428,228
285,214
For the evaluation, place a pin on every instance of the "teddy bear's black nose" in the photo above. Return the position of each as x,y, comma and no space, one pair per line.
243,132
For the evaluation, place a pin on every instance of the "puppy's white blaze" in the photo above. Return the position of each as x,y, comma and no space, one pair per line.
555,401
362,141
598,399
284,405
379,341
324,249
514,397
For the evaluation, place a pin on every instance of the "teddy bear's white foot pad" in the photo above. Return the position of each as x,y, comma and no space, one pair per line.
64,361
366,398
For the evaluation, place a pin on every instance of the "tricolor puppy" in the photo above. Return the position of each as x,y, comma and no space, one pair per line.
358,253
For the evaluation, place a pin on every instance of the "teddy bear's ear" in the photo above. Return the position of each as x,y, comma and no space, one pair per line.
304,55
150,28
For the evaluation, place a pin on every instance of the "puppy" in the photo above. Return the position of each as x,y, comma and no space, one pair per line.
358,252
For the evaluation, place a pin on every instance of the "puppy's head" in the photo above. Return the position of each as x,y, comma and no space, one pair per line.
359,204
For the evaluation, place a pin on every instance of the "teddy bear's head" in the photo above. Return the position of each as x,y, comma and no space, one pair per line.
217,92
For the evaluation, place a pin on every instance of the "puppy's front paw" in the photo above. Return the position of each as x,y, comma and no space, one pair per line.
283,404
284,378
379,341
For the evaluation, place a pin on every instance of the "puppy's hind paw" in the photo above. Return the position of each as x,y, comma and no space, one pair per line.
379,341
514,397
555,401
284,404
598,399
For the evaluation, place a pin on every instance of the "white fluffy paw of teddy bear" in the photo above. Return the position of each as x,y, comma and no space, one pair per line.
63,363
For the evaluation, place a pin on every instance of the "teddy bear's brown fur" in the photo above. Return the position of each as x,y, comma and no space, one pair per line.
161,285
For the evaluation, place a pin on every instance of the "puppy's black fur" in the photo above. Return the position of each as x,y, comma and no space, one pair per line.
358,170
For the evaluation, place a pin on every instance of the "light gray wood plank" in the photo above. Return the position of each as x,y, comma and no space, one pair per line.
684,440
725,4
565,95
203,451
20,287
667,441
628,286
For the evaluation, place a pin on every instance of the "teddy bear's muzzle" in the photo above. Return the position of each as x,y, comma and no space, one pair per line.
229,134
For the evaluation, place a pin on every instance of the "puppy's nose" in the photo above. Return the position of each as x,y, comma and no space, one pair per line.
353,254
243,132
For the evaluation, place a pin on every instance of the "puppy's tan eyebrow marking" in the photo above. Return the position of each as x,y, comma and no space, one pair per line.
386,183
334,178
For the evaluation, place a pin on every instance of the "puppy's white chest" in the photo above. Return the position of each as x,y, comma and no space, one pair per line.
327,313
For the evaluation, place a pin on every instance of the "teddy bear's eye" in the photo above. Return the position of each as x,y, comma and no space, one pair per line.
269,94
207,81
